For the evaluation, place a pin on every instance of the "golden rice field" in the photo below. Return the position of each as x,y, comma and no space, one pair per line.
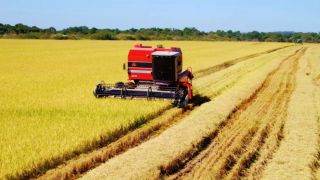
253,123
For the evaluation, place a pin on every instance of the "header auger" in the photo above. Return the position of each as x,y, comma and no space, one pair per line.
155,72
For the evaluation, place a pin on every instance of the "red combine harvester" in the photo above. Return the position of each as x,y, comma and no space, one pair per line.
156,72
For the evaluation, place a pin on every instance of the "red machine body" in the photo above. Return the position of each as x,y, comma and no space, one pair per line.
140,61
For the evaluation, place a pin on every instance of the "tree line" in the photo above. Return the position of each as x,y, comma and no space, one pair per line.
21,31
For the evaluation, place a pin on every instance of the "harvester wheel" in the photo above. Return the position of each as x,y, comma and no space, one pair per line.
184,103
181,98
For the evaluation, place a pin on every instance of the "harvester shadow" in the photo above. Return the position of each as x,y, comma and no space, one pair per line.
198,99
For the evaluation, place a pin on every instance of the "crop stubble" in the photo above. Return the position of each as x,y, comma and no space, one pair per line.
298,156
251,134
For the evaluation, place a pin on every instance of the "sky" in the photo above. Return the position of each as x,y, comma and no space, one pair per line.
205,15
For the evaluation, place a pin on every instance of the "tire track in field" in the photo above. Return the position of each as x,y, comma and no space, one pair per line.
76,166
251,135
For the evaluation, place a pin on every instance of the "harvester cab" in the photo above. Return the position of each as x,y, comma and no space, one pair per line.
155,73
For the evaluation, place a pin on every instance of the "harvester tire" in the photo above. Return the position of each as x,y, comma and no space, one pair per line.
183,104
181,100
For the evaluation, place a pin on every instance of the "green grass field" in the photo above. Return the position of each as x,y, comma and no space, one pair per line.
47,110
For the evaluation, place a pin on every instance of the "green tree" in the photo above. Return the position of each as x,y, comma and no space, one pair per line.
103,35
